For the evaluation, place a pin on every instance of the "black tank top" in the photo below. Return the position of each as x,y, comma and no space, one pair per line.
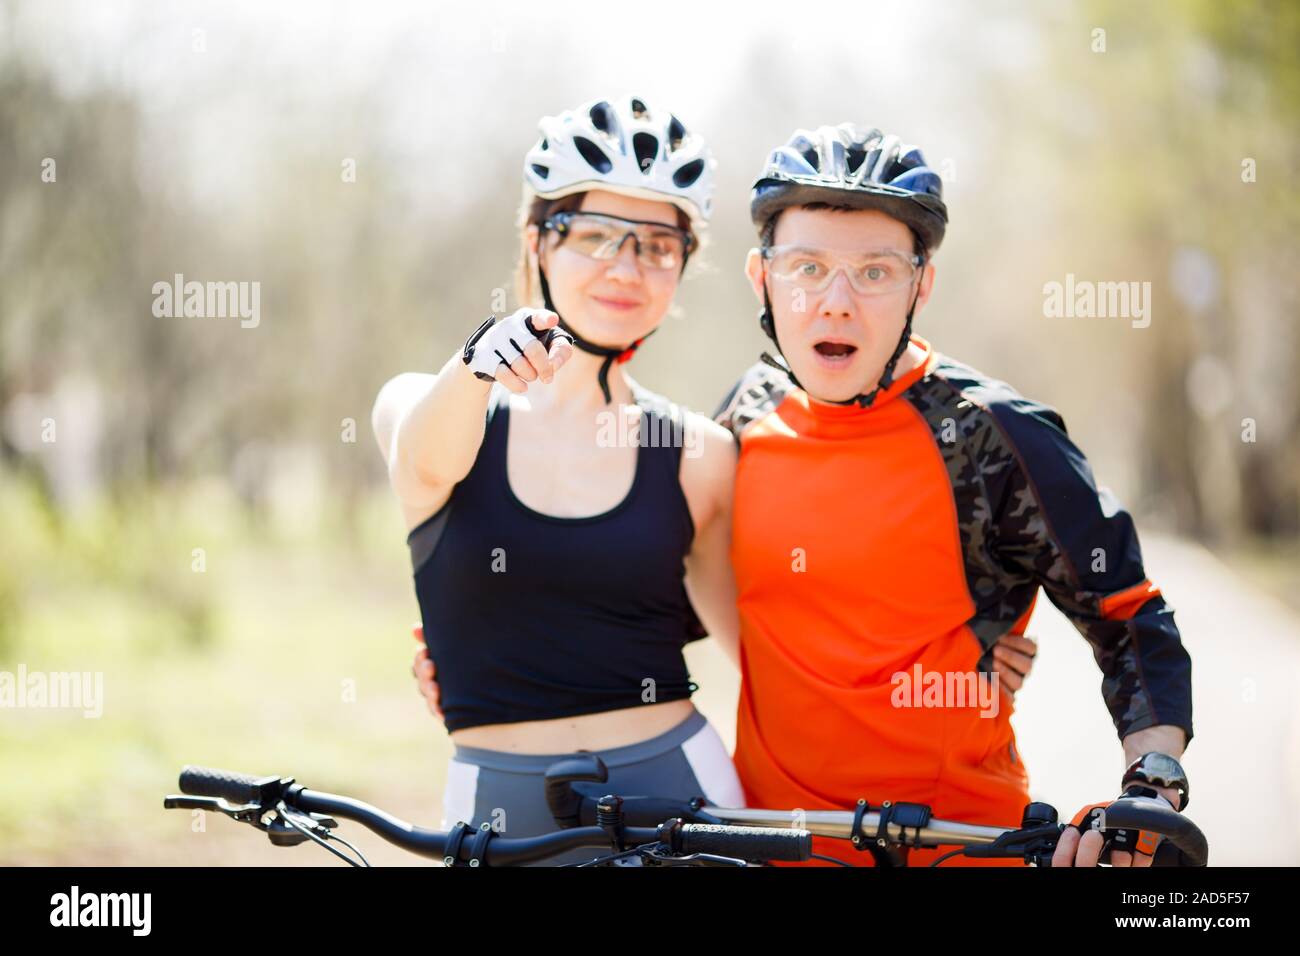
531,617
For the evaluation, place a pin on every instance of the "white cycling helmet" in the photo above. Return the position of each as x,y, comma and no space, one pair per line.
625,146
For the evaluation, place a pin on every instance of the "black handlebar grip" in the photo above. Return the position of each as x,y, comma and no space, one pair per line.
746,843
1141,814
210,782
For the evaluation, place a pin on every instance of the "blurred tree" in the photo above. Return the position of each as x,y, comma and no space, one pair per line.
1185,161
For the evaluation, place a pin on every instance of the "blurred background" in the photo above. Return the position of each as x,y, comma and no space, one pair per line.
198,511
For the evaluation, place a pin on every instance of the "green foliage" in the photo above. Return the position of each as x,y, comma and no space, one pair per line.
286,654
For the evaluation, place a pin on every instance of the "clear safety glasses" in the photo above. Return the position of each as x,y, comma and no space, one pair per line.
599,236
870,273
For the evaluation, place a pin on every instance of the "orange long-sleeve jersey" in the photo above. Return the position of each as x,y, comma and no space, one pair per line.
880,553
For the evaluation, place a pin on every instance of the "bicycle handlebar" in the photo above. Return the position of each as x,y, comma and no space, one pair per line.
690,827
748,844
1143,813
1183,845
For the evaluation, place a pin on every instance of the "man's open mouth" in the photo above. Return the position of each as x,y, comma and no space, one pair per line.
835,349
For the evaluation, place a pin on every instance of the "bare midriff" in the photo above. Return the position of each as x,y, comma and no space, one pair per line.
612,728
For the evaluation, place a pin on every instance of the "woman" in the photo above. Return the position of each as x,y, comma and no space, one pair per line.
552,557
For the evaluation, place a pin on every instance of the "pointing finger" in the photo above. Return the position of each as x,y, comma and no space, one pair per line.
540,320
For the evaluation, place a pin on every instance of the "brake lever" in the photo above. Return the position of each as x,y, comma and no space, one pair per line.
653,854
1030,843
656,858
250,813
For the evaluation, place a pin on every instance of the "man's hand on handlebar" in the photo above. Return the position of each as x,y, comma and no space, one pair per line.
1082,846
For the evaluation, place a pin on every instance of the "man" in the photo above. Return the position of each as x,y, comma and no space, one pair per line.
896,513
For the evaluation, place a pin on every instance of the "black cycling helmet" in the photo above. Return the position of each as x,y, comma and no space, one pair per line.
843,166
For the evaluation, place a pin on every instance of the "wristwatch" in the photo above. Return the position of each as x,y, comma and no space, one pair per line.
1159,770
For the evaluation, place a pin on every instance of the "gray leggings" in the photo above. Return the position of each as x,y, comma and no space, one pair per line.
505,789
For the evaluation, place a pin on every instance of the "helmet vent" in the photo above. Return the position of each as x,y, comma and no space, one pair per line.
600,116
853,158
639,110
676,133
687,175
646,148
873,160
541,171
596,159
546,143
805,148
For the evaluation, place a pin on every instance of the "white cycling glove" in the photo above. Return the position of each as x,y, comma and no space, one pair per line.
494,343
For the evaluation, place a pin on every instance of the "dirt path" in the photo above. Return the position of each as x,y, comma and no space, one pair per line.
1244,762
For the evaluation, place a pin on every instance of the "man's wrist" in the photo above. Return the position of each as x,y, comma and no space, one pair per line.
1170,795
1161,738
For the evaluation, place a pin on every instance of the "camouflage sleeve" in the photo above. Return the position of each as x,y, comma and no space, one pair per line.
1053,522
754,395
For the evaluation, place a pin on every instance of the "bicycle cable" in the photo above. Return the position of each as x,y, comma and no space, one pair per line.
342,856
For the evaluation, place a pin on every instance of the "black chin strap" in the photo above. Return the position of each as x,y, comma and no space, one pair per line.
612,355
768,325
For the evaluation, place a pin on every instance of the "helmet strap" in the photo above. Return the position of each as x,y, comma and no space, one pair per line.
768,324
887,376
